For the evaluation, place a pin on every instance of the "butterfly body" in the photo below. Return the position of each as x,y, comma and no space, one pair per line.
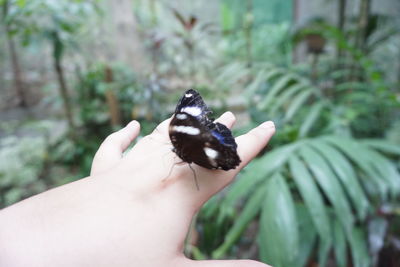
197,139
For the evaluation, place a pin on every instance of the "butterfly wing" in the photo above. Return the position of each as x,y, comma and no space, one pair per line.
188,136
224,143
197,139
192,103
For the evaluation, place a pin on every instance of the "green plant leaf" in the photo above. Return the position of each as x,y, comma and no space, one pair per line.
197,254
280,84
386,168
250,210
323,252
382,145
358,248
329,184
346,174
284,97
252,88
297,103
232,74
258,170
309,121
339,244
354,152
272,73
278,238
312,198
307,234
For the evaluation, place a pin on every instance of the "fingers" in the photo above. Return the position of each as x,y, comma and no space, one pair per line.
227,119
227,263
110,151
162,128
251,143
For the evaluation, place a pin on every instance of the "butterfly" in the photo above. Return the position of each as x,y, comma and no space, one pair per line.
197,139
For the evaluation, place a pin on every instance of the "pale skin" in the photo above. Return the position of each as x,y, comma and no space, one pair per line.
127,212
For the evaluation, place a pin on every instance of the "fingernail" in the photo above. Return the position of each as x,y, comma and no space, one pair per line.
267,125
228,114
133,123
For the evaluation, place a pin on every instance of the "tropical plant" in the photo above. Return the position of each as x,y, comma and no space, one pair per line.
318,189
58,23
316,192
21,164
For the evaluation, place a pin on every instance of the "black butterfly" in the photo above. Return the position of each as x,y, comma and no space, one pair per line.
196,138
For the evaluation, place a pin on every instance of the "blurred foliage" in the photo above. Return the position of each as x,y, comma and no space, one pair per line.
35,20
325,190
21,161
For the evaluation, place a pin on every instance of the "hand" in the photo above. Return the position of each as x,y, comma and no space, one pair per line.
127,212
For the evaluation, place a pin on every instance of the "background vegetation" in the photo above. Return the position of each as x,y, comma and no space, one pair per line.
326,190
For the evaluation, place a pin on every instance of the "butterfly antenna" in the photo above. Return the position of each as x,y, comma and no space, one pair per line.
195,177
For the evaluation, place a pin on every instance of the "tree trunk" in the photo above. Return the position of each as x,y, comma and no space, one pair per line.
363,18
248,27
17,73
111,99
64,94
361,38
398,71
340,25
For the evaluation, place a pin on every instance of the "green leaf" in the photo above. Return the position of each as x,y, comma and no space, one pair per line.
284,97
386,168
312,198
329,184
344,170
309,121
226,16
232,73
272,73
384,146
323,252
253,86
258,170
354,151
250,210
339,244
197,254
307,234
278,238
297,103
358,248
21,3
273,91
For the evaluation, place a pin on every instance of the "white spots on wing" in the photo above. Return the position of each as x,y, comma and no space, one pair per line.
188,95
181,116
211,153
186,130
193,111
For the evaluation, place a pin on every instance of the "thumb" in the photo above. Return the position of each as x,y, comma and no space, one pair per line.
227,263
110,151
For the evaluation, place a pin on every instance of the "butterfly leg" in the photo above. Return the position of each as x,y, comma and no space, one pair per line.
195,177
172,167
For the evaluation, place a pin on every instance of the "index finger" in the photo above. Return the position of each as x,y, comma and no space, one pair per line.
251,143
